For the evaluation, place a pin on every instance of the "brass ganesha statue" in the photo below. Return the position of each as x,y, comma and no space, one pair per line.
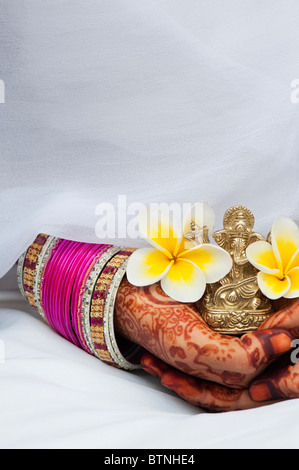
235,305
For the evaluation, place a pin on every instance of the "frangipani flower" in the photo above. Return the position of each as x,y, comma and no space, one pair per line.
278,263
183,272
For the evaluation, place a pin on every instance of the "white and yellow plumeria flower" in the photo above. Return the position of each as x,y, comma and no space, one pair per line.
183,272
278,262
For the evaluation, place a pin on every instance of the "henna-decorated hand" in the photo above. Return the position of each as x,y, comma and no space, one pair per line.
281,381
209,395
176,334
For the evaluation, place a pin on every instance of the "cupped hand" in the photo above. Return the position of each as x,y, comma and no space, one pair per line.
202,393
177,335
279,382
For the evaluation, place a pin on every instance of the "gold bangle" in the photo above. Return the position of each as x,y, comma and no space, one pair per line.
20,273
87,296
134,351
38,273
102,310
30,266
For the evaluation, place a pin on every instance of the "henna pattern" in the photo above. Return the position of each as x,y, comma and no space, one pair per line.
287,316
276,384
177,334
211,396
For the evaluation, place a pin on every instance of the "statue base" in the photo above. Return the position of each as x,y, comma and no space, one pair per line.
234,322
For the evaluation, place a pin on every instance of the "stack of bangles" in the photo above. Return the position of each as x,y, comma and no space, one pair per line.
73,287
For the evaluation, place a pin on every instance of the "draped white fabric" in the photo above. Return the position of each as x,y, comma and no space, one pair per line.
54,395
156,100
160,101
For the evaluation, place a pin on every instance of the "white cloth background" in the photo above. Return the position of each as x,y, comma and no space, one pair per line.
161,101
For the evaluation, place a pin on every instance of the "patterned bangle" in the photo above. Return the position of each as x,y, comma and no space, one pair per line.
102,310
20,273
38,274
87,297
108,320
98,301
30,265
80,293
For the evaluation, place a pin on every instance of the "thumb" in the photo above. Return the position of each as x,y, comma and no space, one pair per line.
277,384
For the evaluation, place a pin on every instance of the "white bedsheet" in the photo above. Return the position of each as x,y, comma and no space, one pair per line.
54,395
161,101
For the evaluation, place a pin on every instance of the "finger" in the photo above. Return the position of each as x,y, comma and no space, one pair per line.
153,365
281,303
286,317
279,384
234,361
266,345
207,395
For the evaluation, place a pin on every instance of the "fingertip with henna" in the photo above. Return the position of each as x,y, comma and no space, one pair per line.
153,365
175,380
260,391
275,341
282,342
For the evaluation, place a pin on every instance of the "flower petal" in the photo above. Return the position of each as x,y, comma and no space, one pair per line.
294,263
184,282
214,261
272,287
261,255
159,228
293,292
147,266
200,215
285,240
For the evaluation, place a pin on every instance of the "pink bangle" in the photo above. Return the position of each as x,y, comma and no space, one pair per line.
63,277
76,259
74,265
44,285
78,291
48,285
66,280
